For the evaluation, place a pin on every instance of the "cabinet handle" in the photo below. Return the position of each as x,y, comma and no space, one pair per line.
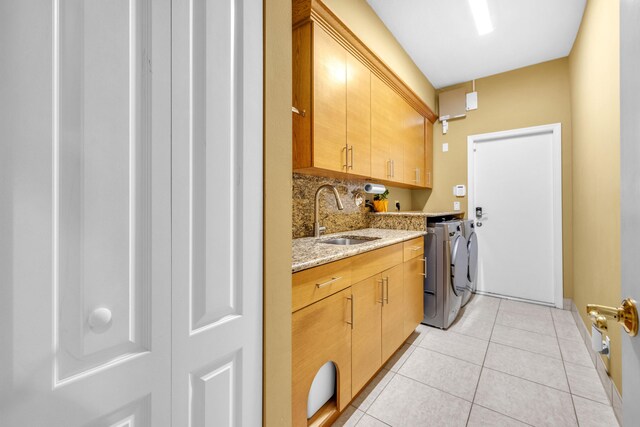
295,110
386,282
346,157
352,303
388,168
416,248
381,300
328,282
351,167
425,266
393,169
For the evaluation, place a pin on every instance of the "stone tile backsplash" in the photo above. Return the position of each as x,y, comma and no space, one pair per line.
351,218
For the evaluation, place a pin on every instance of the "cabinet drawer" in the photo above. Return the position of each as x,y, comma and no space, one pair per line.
319,282
369,263
413,248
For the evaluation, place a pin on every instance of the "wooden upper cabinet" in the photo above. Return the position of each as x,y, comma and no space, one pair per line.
358,118
329,102
428,167
352,116
414,148
333,91
382,129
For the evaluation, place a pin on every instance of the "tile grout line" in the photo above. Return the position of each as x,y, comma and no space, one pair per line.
504,415
453,357
528,380
435,388
484,359
389,382
369,415
573,403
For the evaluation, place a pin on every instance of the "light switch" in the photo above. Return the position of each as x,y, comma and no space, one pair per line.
456,206
445,147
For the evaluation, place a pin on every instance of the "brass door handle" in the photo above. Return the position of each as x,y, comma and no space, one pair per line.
626,315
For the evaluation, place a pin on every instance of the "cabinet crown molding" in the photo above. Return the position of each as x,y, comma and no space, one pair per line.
304,11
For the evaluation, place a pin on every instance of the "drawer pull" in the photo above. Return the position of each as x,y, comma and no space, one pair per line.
328,282
416,248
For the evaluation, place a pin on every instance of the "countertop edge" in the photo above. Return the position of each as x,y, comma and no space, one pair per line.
417,213
355,250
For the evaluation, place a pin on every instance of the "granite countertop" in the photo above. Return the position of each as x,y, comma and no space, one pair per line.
310,252
419,213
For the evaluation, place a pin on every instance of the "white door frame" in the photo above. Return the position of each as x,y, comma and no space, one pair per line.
556,130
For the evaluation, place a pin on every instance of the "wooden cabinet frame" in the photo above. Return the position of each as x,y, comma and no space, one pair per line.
311,17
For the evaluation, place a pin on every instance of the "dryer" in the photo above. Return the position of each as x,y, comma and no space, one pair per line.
446,280
472,264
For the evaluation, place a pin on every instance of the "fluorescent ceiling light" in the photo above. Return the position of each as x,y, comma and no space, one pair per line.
480,12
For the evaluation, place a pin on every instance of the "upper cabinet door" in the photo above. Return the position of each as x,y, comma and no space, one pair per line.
382,128
358,118
397,111
428,158
329,102
414,152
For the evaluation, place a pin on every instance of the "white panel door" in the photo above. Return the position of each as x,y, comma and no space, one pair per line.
515,178
630,199
217,212
85,315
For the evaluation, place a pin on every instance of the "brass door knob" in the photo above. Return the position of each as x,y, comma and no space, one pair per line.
626,315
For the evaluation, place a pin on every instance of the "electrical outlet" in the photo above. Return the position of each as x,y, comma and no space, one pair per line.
456,206
445,147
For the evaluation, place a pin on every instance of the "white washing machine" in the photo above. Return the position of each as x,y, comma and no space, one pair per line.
446,281
472,264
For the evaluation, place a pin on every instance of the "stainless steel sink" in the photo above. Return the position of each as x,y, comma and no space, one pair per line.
349,240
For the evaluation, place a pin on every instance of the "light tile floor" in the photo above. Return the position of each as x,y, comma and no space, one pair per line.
503,363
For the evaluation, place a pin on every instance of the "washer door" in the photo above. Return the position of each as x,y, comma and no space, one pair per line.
459,264
472,249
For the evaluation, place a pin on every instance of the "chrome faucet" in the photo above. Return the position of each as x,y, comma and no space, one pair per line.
317,229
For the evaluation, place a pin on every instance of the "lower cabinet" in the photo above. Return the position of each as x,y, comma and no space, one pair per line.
366,337
392,311
321,332
414,271
358,328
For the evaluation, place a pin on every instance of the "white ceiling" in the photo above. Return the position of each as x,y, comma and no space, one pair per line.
442,39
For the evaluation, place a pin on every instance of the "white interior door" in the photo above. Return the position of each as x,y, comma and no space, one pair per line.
85,248
515,177
630,197
217,212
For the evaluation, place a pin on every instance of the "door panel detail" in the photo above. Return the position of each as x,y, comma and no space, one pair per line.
135,414
215,147
214,396
101,145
